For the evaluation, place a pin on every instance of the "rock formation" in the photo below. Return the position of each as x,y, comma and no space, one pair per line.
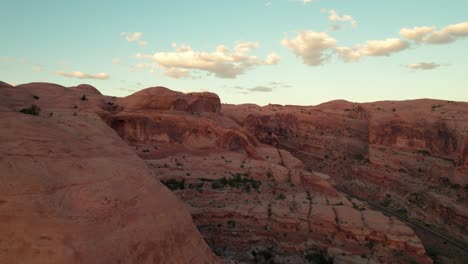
73,192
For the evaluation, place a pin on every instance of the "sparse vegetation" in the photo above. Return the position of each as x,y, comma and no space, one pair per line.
269,173
280,197
436,106
237,181
359,157
370,244
33,110
174,184
263,256
318,257
84,98
35,97
231,224
424,152
309,198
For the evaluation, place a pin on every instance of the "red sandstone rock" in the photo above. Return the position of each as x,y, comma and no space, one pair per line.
72,192
160,98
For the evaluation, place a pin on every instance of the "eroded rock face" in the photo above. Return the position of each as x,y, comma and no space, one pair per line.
384,151
245,196
179,146
160,98
73,192
244,205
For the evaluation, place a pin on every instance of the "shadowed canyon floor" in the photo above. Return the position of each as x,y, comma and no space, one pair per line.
260,182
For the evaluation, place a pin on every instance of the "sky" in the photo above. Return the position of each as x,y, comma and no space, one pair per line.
301,52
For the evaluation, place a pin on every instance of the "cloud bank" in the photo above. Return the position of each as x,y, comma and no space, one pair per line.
81,75
432,35
223,62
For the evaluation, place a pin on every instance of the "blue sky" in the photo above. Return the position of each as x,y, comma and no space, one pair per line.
247,51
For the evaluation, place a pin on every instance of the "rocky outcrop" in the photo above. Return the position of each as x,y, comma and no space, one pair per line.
73,192
248,207
160,98
384,151
251,200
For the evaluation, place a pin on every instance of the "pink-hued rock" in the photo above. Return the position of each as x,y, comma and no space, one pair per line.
160,98
73,192
231,168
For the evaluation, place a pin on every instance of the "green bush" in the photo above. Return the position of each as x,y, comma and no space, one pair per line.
174,184
237,181
424,152
33,110
318,257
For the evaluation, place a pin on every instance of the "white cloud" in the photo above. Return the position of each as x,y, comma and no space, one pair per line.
333,16
262,88
417,34
272,59
38,68
222,62
424,66
432,35
311,46
81,75
143,56
372,48
177,73
134,37
116,61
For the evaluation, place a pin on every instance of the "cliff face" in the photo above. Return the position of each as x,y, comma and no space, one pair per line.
73,192
251,200
410,156
246,196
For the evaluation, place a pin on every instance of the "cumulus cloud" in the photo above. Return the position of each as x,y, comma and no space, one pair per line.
333,16
223,62
372,48
82,75
432,35
311,46
134,37
272,59
177,73
262,88
38,68
116,61
424,66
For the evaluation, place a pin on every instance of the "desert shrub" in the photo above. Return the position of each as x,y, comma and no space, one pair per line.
280,197
237,181
231,223
263,255
35,97
359,157
424,152
33,110
269,173
84,98
174,184
318,257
